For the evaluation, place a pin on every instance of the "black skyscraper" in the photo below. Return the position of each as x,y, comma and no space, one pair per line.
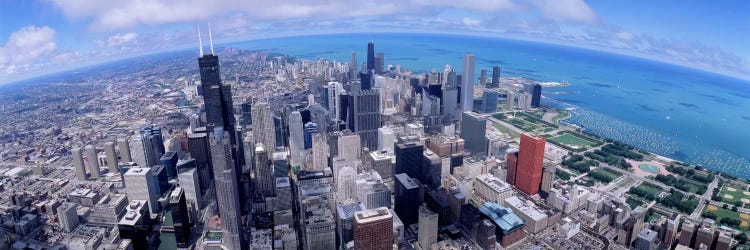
217,97
409,158
408,191
370,57
536,95
495,77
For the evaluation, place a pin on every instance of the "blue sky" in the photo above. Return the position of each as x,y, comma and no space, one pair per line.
44,36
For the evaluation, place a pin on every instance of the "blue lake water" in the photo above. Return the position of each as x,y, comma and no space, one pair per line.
682,113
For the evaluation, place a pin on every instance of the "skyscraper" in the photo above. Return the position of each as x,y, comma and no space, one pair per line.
92,161
530,160
68,217
428,226
370,57
227,187
264,177
511,167
78,165
353,66
137,151
379,63
536,95
407,198
124,150
349,147
364,116
490,99
217,97
320,152
189,181
467,82
510,98
409,158
180,218
309,130
473,131
140,185
482,77
373,229
495,77
263,128
109,150
296,138
153,144
346,186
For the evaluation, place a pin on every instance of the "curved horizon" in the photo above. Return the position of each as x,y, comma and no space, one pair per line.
223,43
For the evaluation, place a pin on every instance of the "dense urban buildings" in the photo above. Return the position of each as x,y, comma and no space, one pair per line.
276,152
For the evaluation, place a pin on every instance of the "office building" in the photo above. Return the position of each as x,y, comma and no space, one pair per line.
353,66
346,184
124,149
490,188
490,98
495,77
320,153
190,182
78,164
345,213
431,169
379,63
92,161
296,138
482,78
180,218
647,240
137,225
349,147
140,185
227,188
536,95
409,157
263,127
428,227
264,176
383,162
153,144
529,168
364,116
217,97
199,150
373,229
109,150
467,82
386,138
687,233
509,228
169,161
474,132
309,130
407,198
510,97
524,101
68,216
548,177
536,219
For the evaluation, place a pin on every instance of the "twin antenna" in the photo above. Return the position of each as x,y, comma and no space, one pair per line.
210,39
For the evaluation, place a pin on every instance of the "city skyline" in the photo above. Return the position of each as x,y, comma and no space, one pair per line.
40,37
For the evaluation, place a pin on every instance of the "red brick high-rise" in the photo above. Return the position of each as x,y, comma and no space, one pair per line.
530,164
373,229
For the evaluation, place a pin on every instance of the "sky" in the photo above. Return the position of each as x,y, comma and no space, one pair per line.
39,37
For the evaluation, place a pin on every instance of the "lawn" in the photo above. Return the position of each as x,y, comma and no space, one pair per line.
732,193
722,213
506,130
572,140
604,175
646,191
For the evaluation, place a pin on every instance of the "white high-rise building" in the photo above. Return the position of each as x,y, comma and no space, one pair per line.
68,216
467,82
78,164
346,184
349,147
335,89
92,160
386,138
524,101
124,150
509,105
263,128
296,138
320,152
227,188
137,151
109,150
428,226
139,184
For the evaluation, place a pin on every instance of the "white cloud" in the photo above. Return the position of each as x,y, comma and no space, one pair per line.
567,10
468,21
26,46
624,35
121,39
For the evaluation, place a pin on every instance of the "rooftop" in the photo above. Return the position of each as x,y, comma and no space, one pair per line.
372,215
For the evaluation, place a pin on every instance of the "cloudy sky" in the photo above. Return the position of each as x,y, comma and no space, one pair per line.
43,36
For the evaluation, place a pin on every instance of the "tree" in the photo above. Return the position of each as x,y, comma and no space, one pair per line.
734,209
725,206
